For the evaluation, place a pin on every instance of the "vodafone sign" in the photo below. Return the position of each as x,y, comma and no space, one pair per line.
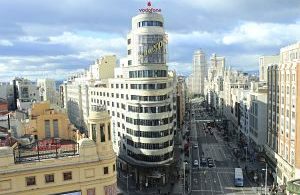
149,9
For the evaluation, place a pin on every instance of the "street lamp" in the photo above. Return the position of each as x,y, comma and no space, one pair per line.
183,164
246,148
128,175
266,177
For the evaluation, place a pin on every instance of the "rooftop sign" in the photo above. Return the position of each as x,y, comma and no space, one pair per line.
149,9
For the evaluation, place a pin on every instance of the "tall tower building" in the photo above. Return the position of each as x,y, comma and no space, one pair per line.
141,99
199,70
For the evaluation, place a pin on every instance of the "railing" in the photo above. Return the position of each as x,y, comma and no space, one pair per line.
294,186
39,151
98,108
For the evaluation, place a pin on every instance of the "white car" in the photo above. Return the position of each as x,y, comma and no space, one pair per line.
196,163
196,145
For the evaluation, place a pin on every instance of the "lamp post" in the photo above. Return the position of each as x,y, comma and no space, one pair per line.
266,177
246,148
184,163
128,175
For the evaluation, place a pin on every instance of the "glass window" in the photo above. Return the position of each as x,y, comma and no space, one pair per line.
49,178
105,170
94,134
102,133
30,181
47,129
55,128
108,130
67,175
91,191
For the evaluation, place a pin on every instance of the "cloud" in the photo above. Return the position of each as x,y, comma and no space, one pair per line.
6,43
88,43
51,35
264,34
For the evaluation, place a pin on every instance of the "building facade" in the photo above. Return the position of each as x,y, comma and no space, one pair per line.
283,146
141,100
47,91
74,93
61,166
199,72
181,101
264,62
140,96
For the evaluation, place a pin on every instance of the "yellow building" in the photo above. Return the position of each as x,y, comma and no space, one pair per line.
45,122
86,168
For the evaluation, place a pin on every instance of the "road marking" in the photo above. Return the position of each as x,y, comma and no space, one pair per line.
213,191
220,182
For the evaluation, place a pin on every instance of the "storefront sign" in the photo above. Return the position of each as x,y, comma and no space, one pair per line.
157,46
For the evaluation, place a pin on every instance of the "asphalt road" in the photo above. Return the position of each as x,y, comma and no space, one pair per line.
219,179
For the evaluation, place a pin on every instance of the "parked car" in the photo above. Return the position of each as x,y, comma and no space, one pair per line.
196,145
210,162
203,162
196,163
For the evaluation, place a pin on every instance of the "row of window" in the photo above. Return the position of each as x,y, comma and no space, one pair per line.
49,178
149,86
149,98
149,134
108,103
55,126
151,122
150,23
153,109
147,73
150,158
150,146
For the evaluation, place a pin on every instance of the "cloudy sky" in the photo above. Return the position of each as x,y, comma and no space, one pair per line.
53,38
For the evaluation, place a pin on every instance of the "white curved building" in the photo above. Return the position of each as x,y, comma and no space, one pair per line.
141,100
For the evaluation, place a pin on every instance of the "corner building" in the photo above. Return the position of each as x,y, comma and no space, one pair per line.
141,99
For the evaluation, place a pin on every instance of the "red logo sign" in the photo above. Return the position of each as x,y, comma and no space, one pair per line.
149,9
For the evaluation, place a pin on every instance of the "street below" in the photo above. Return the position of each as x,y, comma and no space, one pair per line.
208,143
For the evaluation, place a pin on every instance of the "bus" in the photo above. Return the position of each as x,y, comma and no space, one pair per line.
238,177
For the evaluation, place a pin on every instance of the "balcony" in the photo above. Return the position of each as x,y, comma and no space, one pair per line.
45,149
294,186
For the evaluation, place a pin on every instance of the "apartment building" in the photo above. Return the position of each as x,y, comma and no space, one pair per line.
47,91
257,117
58,164
214,82
74,93
234,82
264,62
283,146
181,101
